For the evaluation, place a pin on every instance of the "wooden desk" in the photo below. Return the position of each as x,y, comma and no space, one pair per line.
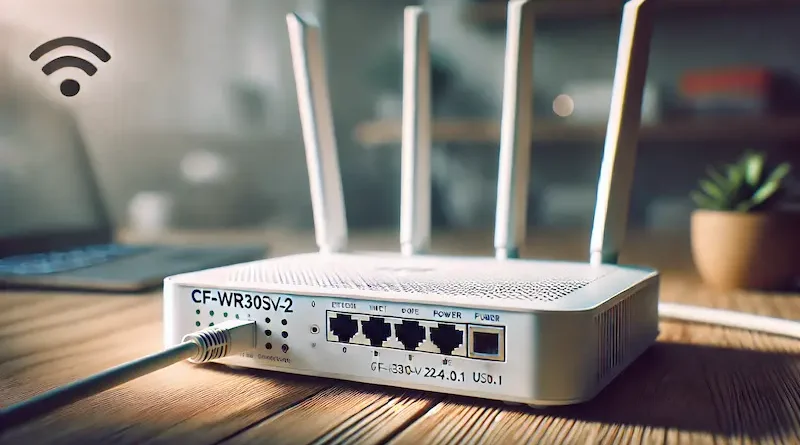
698,384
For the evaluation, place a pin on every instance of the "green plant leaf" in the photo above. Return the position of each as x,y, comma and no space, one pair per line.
704,201
765,192
720,180
712,189
745,206
735,175
753,167
779,173
741,186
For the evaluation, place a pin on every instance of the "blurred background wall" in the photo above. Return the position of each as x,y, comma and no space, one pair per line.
198,101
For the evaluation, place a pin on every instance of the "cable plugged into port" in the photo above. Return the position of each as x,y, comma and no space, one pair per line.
223,340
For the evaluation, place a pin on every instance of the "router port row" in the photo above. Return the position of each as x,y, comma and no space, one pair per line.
395,333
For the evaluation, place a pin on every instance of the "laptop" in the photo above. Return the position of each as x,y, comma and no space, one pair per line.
55,230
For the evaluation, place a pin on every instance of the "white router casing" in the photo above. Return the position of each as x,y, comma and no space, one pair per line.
565,329
534,332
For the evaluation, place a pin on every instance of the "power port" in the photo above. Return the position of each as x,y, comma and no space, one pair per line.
410,334
343,327
447,338
487,342
376,330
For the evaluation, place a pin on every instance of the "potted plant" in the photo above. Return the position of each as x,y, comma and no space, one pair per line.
740,236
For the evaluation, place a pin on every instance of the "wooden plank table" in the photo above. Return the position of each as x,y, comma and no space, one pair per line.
699,384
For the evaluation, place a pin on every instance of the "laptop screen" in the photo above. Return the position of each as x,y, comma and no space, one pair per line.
47,190
43,184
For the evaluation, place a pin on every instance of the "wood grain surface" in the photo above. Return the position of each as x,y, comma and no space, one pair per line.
698,384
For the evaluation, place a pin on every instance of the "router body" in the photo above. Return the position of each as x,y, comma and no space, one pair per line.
534,332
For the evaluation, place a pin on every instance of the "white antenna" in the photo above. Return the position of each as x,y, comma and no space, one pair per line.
330,220
415,199
619,156
515,132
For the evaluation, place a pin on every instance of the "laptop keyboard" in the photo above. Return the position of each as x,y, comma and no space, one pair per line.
55,262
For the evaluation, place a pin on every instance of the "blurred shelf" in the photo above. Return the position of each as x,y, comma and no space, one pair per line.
495,11
709,129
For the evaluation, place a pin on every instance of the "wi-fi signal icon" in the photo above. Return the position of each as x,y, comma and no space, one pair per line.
70,87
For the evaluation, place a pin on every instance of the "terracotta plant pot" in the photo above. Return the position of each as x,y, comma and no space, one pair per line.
734,250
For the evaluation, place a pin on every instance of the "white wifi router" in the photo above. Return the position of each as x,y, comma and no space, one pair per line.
533,332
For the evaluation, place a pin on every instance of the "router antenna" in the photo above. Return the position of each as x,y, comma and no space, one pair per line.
619,155
515,132
330,220
415,199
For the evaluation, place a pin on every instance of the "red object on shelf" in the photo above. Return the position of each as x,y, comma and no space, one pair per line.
756,81
740,91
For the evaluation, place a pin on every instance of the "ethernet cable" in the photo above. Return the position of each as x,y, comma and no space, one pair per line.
225,339
729,319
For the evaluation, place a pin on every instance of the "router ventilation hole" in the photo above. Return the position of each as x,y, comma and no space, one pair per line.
615,334
457,278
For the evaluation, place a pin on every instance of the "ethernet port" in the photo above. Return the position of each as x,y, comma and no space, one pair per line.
376,330
487,342
343,327
410,334
447,338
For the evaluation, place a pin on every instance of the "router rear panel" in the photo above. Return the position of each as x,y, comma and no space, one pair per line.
549,358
